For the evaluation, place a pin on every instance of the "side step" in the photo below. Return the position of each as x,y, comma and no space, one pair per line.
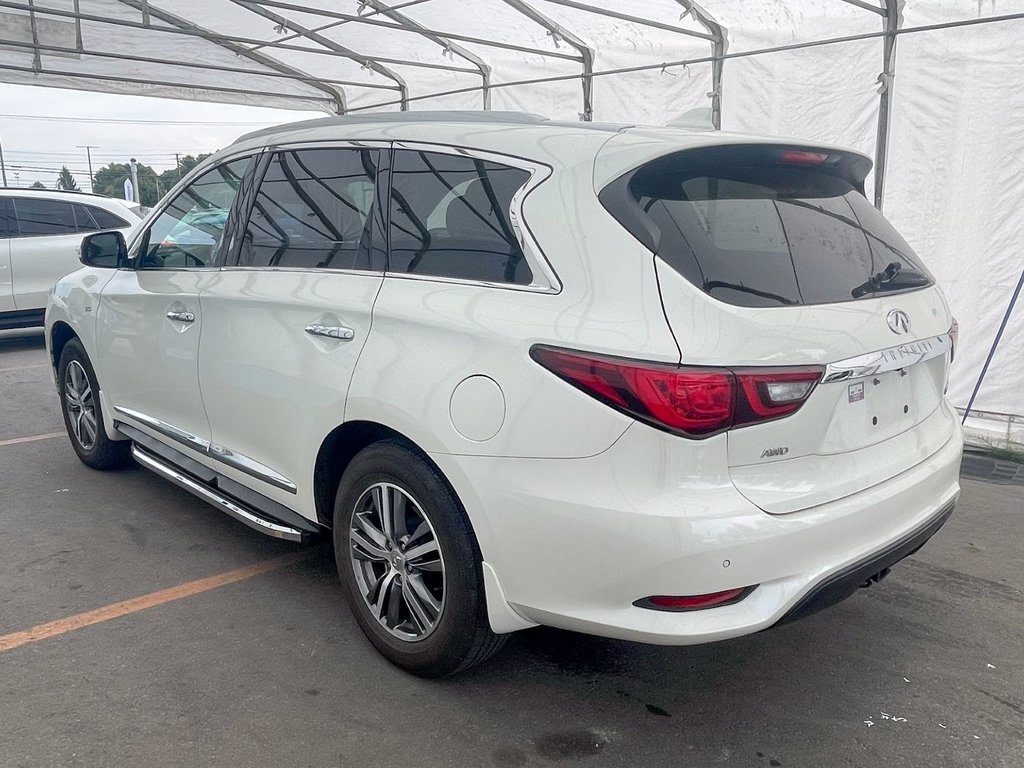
241,513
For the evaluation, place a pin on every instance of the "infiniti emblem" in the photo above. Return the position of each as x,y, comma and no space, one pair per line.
898,321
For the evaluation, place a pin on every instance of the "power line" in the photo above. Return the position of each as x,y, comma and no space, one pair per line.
137,122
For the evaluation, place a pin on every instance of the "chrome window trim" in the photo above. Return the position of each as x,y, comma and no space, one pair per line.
545,279
314,270
889,359
239,461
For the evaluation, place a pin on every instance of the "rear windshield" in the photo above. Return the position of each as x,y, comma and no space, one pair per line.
765,228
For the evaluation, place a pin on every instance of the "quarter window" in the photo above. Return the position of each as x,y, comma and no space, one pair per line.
450,218
190,231
39,216
91,218
313,211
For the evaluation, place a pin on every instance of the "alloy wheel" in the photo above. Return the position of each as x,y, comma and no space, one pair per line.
80,405
397,562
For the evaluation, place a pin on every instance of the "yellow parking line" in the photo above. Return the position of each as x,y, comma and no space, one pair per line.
33,438
141,603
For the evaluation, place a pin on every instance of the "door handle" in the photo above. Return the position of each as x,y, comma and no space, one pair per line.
338,332
182,317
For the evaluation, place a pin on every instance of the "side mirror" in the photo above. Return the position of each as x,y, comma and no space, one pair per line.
107,250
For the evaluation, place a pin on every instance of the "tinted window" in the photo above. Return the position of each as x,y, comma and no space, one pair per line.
450,218
767,234
102,218
7,224
189,232
38,216
313,210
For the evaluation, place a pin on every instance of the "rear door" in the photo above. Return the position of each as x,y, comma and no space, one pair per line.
45,250
149,319
285,324
772,256
7,231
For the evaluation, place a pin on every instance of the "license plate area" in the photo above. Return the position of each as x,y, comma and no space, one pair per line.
876,408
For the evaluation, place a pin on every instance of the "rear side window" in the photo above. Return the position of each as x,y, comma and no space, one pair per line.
38,216
99,217
313,211
450,218
757,229
7,224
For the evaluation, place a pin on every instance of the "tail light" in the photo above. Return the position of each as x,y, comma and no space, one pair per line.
954,338
691,401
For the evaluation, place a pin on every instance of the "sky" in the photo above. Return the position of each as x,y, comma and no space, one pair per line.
35,149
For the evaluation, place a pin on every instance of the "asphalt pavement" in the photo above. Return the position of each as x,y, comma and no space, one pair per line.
924,669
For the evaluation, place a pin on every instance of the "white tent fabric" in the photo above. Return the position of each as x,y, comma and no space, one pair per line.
954,174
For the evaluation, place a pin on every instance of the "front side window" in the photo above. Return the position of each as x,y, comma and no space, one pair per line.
313,211
190,231
450,218
39,216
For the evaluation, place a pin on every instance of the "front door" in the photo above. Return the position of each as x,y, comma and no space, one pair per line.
7,232
291,317
149,319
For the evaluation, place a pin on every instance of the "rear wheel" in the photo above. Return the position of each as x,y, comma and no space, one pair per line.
410,564
83,417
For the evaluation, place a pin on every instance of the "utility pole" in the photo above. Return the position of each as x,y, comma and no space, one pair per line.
177,164
135,181
88,156
3,168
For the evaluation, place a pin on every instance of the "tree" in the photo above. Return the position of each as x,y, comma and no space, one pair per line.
109,181
169,178
37,185
66,181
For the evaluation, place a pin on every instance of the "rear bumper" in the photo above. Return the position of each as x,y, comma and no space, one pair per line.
848,580
574,543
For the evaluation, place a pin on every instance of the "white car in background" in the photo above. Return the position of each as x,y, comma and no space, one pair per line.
40,234
647,383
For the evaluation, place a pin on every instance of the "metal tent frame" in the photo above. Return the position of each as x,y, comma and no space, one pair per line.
386,15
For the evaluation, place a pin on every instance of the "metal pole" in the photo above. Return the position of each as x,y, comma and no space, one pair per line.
88,156
177,164
3,168
995,345
893,20
135,181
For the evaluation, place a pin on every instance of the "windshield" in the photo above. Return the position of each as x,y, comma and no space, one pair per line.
767,233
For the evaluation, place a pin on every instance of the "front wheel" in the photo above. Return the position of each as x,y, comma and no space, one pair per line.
83,417
410,563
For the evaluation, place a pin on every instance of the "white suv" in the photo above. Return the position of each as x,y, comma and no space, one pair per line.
652,384
40,232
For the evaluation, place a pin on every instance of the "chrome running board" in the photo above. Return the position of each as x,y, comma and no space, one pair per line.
210,495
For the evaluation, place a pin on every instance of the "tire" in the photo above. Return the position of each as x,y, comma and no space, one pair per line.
460,635
83,417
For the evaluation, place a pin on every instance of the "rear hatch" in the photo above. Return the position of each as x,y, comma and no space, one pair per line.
770,256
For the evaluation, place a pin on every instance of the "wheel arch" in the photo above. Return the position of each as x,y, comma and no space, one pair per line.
60,335
337,450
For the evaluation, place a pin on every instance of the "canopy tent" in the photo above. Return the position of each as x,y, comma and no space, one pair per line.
945,126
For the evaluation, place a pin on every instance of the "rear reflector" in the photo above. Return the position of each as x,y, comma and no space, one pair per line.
696,402
693,602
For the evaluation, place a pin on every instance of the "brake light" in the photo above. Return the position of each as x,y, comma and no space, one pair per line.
802,157
694,602
954,338
697,402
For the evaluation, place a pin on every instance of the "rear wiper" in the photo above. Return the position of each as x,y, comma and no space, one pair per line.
875,282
